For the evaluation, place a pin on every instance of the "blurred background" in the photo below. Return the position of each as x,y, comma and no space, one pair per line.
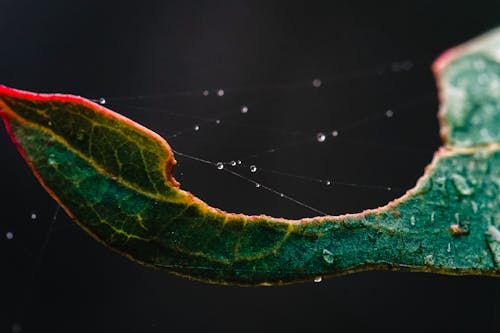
334,103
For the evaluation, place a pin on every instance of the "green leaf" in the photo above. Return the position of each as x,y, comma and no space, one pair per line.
113,177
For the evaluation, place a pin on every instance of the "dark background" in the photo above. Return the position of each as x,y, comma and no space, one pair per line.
264,54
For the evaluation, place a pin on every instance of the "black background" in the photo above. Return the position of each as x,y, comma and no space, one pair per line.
264,55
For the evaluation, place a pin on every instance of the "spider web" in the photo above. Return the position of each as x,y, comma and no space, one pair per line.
295,149
282,149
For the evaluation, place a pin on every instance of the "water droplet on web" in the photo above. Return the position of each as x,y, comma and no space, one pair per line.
335,133
244,109
33,216
102,101
328,182
196,127
205,92
328,256
399,66
389,113
253,168
217,121
412,220
257,185
232,163
318,279
316,83
238,161
321,137
219,165
282,195
220,92
9,235
389,188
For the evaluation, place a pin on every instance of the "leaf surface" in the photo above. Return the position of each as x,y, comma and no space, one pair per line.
113,177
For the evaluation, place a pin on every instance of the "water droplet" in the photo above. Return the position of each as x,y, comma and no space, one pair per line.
244,109
219,165
16,328
461,184
429,260
282,195
389,113
483,78
49,123
321,137
51,160
316,83
217,121
257,185
196,127
485,133
33,216
318,279
401,66
494,233
206,92
335,133
102,101
238,161
220,92
253,168
232,163
474,206
448,249
412,220
440,183
389,188
9,235
433,214
328,182
328,256
456,229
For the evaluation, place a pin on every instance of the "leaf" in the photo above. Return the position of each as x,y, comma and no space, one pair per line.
113,177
